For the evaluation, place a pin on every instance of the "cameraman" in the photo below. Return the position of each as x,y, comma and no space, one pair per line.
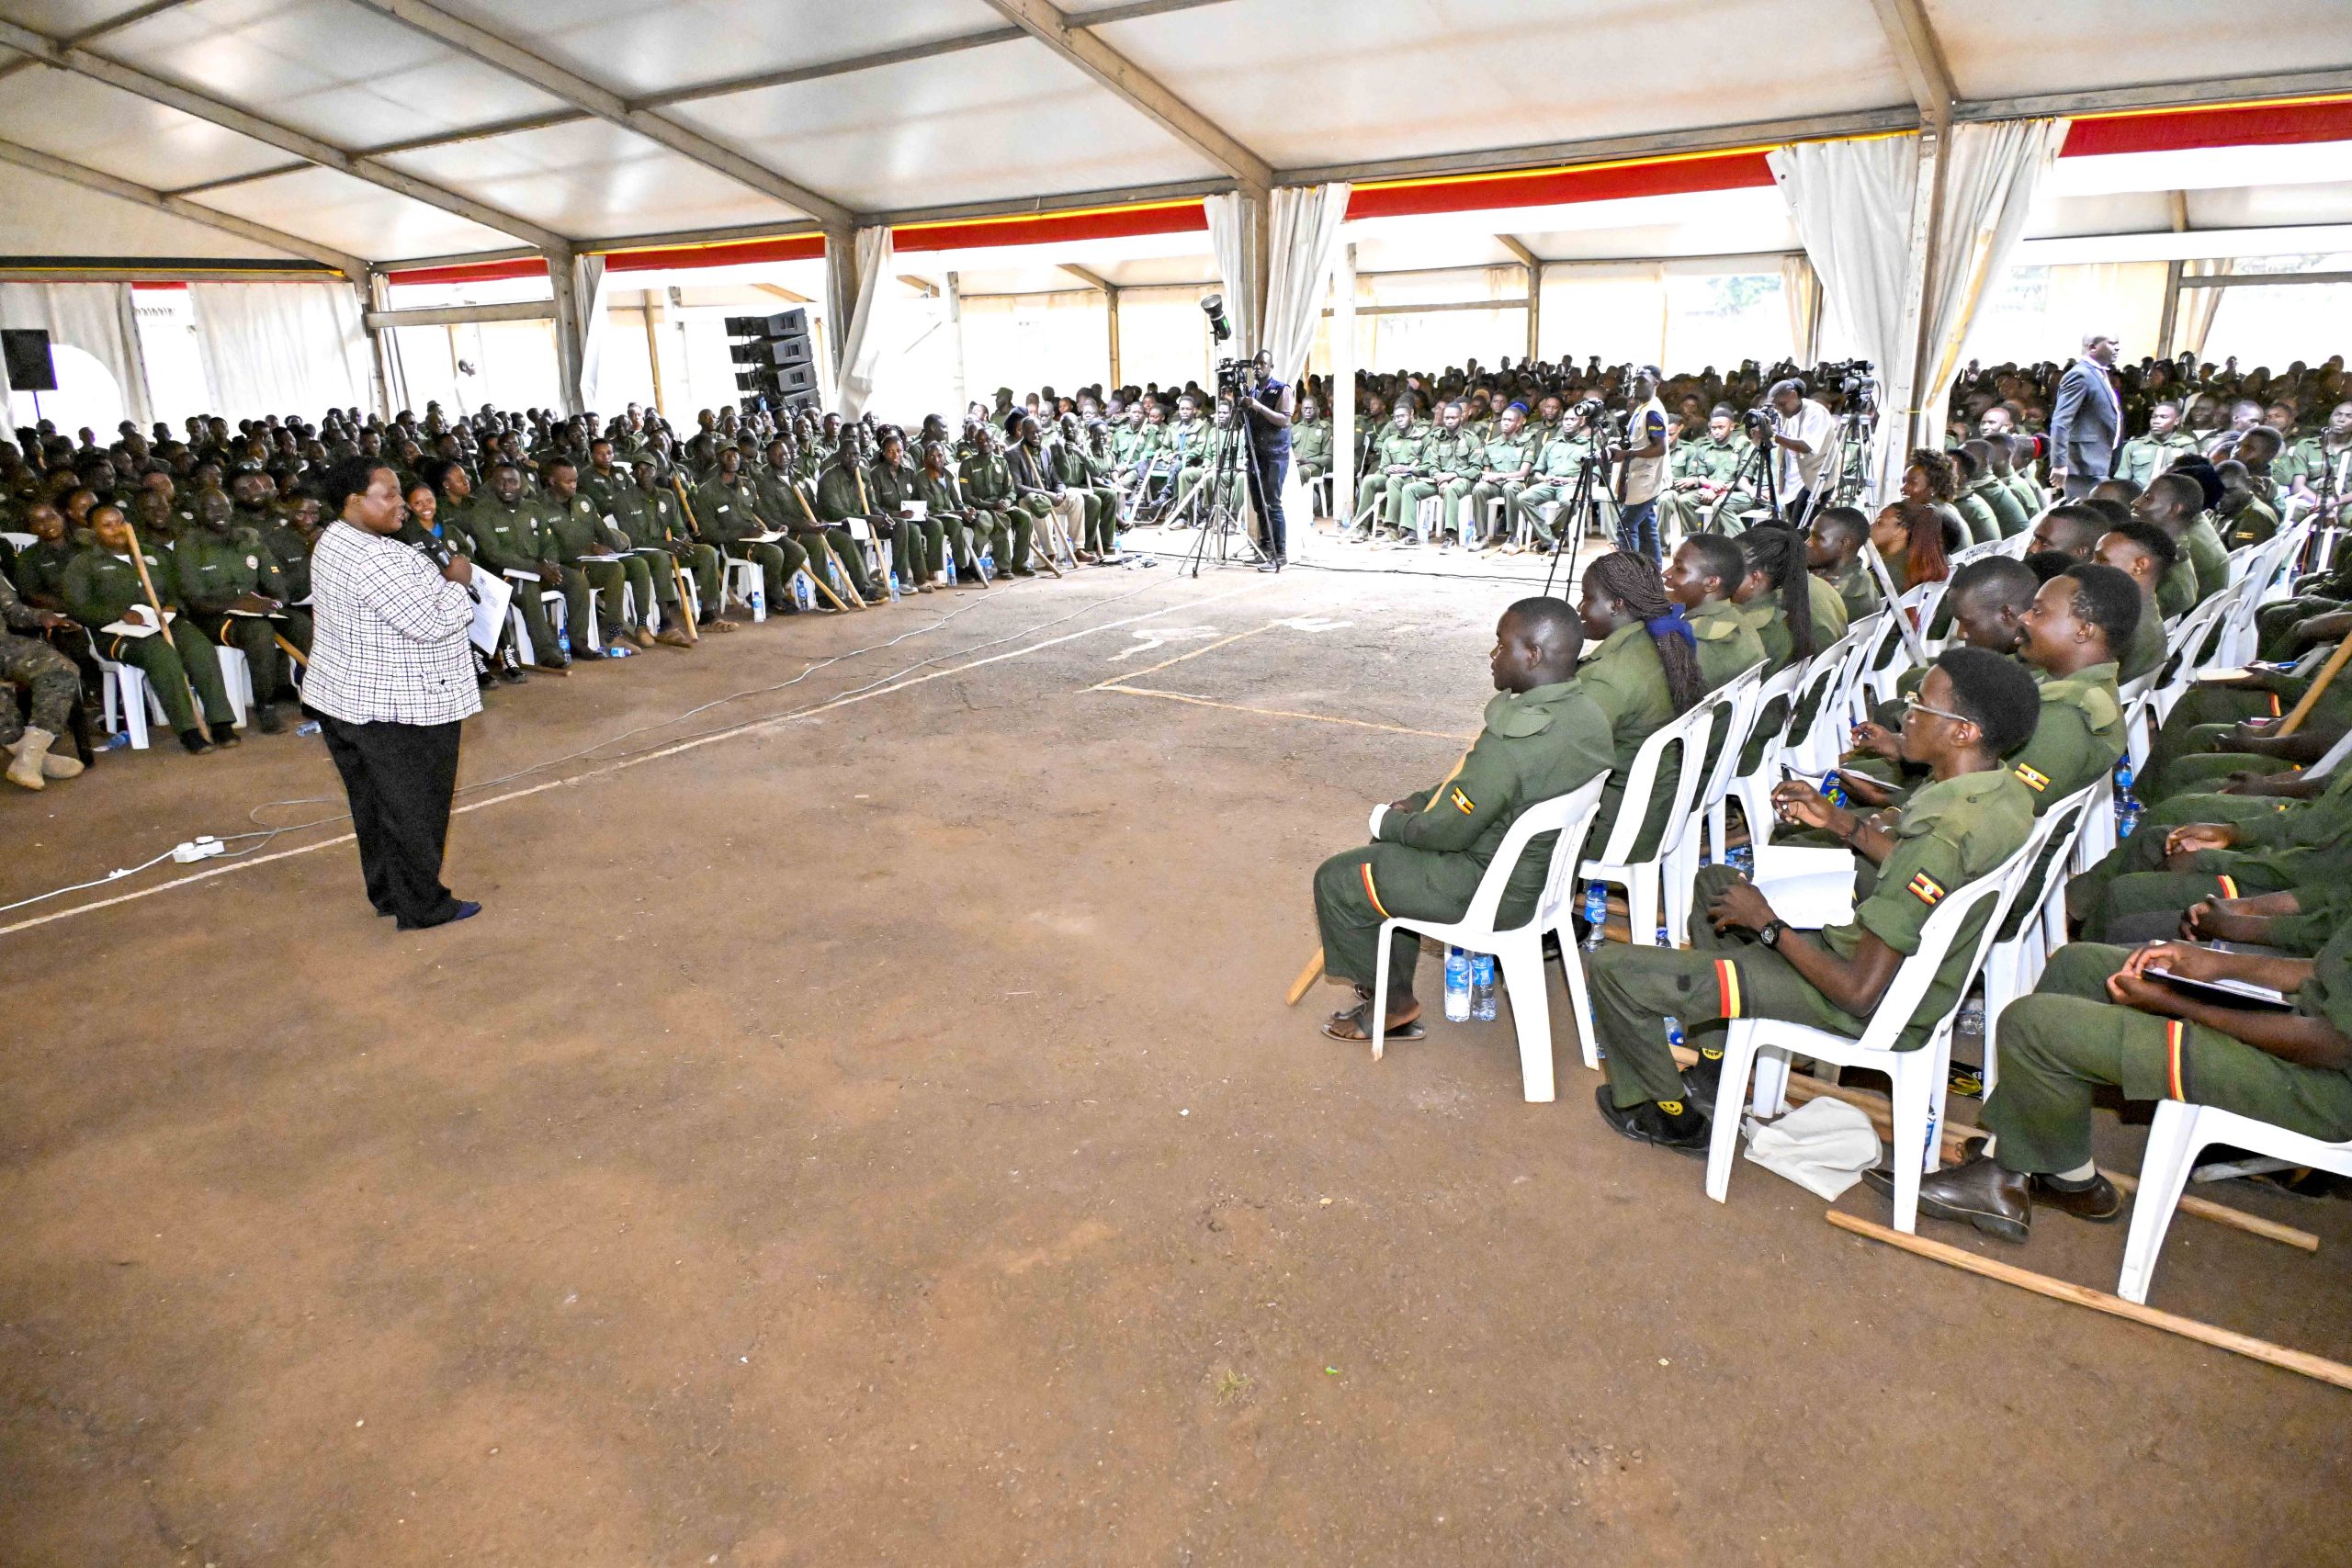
1267,406
1642,471
1802,432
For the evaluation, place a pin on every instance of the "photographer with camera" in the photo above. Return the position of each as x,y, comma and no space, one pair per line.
1642,466
1801,430
1267,408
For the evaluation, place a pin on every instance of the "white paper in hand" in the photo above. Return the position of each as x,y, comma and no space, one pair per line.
492,594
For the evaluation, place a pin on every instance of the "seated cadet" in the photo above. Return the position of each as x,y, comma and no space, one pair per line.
1100,469
1915,542
1558,465
1041,495
230,585
1707,474
2244,516
1773,580
1075,467
1508,458
509,539
2144,456
292,532
728,511
587,539
1834,555
2174,502
603,479
1451,461
2025,452
890,485
1542,738
2226,723
2013,514
39,567
986,480
1643,672
1745,962
2063,632
51,684
1701,577
936,488
842,497
2071,530
1397,461
1975,479
785,489
650,514
1185,448
2143,553
2104,1017
1310,443
103,589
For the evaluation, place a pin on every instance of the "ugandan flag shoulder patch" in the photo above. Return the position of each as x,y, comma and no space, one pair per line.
1462,802
2032,778
1926,890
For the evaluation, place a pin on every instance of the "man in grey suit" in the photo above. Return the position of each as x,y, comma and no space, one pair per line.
2087,422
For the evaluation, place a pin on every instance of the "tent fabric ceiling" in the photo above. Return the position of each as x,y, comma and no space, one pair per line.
885,110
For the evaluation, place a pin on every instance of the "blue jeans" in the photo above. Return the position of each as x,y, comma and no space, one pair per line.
1266,473
1637,528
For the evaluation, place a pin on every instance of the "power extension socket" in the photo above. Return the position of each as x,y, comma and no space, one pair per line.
194,849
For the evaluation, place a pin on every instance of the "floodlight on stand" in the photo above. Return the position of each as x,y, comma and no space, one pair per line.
1212,307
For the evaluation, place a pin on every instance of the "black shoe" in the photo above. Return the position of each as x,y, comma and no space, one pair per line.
194,742
1703,1078
267,719
1979,1192
509,675
1681,1129
466,911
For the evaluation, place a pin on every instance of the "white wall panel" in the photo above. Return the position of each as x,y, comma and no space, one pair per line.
102,128
592,178
51,218
352,215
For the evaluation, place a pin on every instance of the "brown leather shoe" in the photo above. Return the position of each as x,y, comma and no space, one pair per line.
1980,1193
671,637
640,636
2097,1200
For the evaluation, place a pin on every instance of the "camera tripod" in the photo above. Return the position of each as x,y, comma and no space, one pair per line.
1220,519
1857,433
1758,460
1582,513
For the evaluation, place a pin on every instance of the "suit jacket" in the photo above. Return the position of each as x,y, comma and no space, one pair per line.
2086,426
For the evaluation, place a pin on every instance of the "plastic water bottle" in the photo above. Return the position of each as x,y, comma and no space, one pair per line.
1673,1032
1457,986
620,650
1596,912
564,640
1742,858
1482,987
988,565
1834,787
116,741
759,599
2127,804
308,726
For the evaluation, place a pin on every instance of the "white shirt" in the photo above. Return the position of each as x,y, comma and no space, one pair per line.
1646,477
389,637
1814,426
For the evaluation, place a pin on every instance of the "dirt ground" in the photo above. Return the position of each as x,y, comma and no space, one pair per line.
877,1137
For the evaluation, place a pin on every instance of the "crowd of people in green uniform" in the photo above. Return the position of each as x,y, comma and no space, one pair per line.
2244,842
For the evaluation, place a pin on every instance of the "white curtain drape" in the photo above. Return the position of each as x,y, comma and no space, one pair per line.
93,317
861,347
1305,239
282,348
1231,218
2192,319
1801,291
590,289
1853,205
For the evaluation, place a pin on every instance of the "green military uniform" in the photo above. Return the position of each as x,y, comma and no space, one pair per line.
2029,497
1552,479
215,570
1311,448
1710,462
603,486
1627,681
1950,832
1428,855
508,536
1396,448
581,534
1185,446
1078,474
656,528
2077,736
51,684
2280,844
100,588
2060,1043
292,551
1727,643
1858,591
40,571
944,500
1977,511
1504,455
2205,550
841,496
729,516
1451,463
986,480
2177,590
2148,649
2255,523
918,547
2145,457
786,500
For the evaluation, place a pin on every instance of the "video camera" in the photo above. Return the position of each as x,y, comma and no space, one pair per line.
1230,373
1759,421
1857,383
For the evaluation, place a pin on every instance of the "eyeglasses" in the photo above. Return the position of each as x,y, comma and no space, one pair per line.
1916,706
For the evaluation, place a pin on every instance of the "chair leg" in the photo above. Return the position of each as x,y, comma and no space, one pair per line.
1772,1096
1521,962
1910,1112
1579,999
2172,1144
1379,1009
1641,886
1740,1054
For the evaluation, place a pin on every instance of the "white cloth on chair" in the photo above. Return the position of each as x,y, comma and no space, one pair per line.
1823,1146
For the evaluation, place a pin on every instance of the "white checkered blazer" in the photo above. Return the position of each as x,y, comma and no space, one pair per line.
390,645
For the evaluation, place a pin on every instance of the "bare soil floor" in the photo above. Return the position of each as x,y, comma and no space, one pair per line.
877,1137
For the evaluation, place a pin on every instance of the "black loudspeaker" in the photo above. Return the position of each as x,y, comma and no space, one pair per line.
25,351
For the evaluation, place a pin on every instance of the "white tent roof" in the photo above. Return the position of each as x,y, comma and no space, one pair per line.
389,130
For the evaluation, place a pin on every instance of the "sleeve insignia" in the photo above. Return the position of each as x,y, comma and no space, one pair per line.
1926,890
1462,802
2032,778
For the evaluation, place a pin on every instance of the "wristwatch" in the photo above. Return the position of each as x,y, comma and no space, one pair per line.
1770,935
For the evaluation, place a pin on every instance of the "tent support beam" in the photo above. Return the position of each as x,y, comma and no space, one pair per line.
155,200
483,45
1534,268
1920,59
1122,76
1110,292
286,138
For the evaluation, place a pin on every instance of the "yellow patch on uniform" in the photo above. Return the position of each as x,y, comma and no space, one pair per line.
2033,779
1926,890
1462,802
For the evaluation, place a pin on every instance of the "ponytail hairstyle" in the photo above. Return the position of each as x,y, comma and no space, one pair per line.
1634,580
1778,551
1925,558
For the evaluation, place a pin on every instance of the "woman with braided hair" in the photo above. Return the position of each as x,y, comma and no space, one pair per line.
1642,670
1776,595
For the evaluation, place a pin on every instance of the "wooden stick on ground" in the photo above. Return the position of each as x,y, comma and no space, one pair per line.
1307,977
685,604
292,652
2327,672
163,625
2311,1366
1953,1136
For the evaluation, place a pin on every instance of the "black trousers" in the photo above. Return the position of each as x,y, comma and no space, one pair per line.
399,778
1267,471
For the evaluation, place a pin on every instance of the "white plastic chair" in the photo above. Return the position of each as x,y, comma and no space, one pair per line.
1645,881
2180,1131
1738,700
126,698
1763,1046
2038,905
1766,728
21,541
1519,952
740,581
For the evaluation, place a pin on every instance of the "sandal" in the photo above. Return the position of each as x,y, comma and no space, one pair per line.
1355,1027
